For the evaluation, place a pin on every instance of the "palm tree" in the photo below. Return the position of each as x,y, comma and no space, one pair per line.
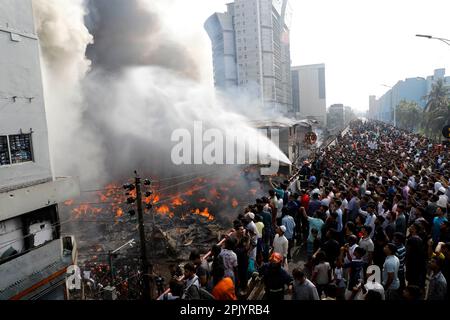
408,115
437,110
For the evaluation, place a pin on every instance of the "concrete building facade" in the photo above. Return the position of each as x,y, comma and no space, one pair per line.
410,89
251,51
309,92
33,253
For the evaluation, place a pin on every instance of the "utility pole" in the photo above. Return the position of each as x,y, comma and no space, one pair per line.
145,266
110,255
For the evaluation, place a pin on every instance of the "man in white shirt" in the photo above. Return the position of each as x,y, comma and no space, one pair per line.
381,199
281,244
367,244
352,245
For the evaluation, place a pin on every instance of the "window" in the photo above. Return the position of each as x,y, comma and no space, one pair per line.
16,148
4,151
21,148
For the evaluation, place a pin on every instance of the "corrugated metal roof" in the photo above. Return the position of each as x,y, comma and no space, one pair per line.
25,283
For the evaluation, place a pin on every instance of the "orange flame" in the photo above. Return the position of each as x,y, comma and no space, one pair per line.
69,202
164,210
119,213
84,209
205,213
155,199
177,202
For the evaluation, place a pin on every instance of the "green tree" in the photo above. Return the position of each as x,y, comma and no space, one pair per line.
437,110
408,114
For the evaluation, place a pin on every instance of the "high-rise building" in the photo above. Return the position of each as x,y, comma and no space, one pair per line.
33,254
251,51
309,93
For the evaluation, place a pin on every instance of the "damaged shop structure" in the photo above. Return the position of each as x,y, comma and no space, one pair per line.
34,255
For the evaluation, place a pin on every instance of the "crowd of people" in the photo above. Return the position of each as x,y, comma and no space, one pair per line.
369,215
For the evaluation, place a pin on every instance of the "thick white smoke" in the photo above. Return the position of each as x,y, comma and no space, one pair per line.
107,119
63,41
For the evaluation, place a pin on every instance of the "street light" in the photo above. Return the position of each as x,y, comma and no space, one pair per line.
446,41
392,103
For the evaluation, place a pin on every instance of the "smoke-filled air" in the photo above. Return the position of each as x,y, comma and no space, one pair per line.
118,83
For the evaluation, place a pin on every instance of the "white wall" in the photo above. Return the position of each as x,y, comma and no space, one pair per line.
42,231
310,102
20,75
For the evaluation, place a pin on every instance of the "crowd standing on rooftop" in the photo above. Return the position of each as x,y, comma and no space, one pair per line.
369,213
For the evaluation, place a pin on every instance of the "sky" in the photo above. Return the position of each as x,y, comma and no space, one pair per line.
364,44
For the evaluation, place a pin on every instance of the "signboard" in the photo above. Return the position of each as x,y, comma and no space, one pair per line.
446,132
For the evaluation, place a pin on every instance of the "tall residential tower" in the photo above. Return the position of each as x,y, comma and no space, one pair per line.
251,51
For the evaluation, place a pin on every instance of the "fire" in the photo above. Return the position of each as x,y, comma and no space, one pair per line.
205,213
119,213
208,194
164,210
177,202
155,199
84,209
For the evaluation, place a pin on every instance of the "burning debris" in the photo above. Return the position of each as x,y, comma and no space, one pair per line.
176,219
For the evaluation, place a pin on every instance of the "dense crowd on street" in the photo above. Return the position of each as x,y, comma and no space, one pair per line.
369,214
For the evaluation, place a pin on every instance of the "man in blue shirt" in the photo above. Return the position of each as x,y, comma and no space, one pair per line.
437,221
289,223
314,204
391,282
353,207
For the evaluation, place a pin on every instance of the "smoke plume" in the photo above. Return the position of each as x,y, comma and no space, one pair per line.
63,41
116,87
127,34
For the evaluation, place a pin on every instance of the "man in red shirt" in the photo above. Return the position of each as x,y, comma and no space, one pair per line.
304,202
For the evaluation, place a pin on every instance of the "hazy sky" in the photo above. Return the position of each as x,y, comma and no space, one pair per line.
364,43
